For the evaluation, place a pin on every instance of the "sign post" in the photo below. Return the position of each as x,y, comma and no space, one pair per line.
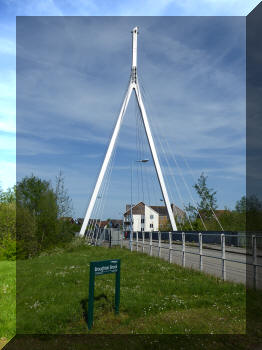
101,268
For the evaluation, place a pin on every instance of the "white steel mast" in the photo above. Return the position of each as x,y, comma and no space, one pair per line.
133,85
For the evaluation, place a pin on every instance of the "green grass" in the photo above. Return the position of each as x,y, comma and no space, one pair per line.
7,301
156,297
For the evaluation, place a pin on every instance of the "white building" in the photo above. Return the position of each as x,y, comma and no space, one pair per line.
144,218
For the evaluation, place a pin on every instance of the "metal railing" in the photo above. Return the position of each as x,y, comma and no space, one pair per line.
230,256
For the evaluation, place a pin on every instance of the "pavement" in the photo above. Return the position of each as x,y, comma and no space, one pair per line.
238,265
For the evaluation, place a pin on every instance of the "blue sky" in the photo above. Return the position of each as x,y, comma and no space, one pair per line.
200,92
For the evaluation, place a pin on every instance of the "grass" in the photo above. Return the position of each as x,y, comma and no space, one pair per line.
7,301
156,297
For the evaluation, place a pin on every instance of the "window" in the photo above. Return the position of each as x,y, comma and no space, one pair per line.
142,229
151,216
151,226
142,221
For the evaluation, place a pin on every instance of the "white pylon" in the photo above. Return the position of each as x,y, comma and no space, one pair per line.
133,85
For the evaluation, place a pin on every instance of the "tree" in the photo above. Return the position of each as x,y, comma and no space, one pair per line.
36,204
253,213
64,203
241,205
7,213
30,191
7,224
208,201
9,196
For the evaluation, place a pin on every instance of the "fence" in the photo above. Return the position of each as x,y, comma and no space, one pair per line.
231,256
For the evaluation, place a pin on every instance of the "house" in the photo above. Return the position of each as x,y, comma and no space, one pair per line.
80,221
68,219
151,218
145,218
115,223
110,223
179,215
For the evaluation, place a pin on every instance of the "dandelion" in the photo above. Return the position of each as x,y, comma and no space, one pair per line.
5,286
35,305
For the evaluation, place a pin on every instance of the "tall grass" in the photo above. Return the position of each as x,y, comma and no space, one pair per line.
7,301
156,297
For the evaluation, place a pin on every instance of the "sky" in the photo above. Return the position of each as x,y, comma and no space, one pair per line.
193,76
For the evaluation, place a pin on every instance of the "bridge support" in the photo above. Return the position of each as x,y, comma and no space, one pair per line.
133,85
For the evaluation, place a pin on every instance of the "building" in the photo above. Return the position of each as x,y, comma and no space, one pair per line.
110,223
151,218
68,219
145,218
179,215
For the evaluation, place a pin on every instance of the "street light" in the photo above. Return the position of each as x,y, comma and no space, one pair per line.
131,212
123,216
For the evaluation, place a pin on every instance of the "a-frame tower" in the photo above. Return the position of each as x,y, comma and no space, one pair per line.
133,85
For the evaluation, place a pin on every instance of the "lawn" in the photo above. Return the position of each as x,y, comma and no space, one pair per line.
7,301
156,297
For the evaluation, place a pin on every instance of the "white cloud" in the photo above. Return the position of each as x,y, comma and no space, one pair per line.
216,7
59,89
7,174
7,46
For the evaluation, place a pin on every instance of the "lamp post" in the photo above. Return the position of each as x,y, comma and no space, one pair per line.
131,211
123,221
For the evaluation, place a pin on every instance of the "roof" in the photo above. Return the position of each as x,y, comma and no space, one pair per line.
162,210
139,208
102,224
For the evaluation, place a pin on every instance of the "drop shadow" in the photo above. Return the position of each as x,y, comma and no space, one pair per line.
84,304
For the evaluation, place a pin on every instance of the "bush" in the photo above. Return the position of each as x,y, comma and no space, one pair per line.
7,220
8,249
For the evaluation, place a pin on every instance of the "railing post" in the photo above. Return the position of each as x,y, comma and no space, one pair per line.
183,250
143,241
122,234
150,243
159,244
170,247
131,241
200,252
254,253
136,241
223,250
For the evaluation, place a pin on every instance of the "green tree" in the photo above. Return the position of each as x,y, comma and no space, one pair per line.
36,204
26,238
207,203
30,191
7,224
241,205
253,213
64,203
8,196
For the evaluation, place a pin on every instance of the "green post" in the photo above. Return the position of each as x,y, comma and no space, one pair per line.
117,291
100,268
90,312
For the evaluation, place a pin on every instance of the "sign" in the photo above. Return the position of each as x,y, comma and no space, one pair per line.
101,268
107,266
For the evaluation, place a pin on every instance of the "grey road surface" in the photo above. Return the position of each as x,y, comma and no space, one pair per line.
238,265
